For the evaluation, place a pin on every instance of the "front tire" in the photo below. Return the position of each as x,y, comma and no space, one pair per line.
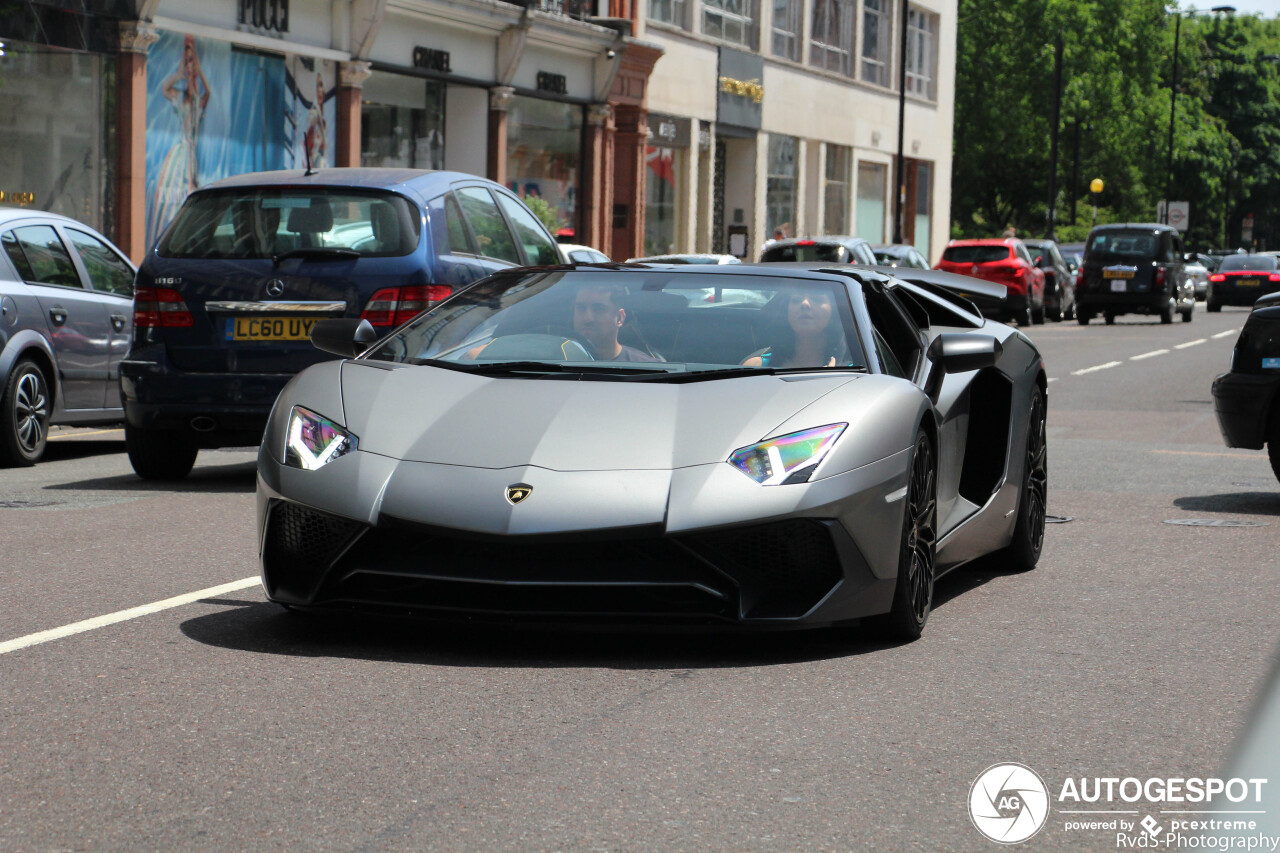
1028,530
917,554
25,407
159,454
1213,307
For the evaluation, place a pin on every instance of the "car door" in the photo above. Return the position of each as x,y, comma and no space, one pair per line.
493,239
111,277
76,319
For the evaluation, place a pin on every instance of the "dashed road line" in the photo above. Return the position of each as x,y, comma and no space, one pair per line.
1109,364
1196,342
1152,354
1224,334
122,616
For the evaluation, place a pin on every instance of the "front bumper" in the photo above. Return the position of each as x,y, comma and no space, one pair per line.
1243,403
382,544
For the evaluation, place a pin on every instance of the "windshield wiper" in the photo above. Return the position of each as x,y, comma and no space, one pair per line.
731,372
318,253
507,368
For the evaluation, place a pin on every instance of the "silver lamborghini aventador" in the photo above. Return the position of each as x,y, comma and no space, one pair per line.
566,443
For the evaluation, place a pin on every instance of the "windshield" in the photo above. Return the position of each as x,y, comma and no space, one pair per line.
975,254
268,222
1261,263
1138,245
821,252
654,324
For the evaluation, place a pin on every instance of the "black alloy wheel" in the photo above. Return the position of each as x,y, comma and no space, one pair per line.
917,559
25,407
1028,529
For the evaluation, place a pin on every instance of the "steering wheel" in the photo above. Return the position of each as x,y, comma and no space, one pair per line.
535,347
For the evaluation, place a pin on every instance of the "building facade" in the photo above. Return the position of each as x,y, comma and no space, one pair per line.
643,126
785,115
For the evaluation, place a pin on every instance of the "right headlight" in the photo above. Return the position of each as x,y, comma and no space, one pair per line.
788,458
313,441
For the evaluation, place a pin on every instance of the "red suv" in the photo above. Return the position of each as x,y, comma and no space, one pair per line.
1004,262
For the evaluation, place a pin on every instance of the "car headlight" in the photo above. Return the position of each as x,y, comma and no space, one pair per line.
788,458
313,441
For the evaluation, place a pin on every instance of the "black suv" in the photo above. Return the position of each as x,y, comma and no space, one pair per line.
1133,269
1247,399
1059,279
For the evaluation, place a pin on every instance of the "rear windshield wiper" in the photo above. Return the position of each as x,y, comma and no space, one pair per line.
318,253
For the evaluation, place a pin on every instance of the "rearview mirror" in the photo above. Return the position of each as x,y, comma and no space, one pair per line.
346,337
953,353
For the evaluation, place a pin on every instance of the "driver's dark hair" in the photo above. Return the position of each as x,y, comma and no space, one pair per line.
836,344
616,292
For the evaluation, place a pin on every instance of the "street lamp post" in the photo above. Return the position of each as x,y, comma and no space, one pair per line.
900,196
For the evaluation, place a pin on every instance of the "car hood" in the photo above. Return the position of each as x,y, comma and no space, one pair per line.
426,414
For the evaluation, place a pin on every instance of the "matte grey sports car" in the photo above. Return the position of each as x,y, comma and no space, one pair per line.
565,442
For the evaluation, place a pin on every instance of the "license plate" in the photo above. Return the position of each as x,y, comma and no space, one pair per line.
1247,282
269,328
1119,286
1117,273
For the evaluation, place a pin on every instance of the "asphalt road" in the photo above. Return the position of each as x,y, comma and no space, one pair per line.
1134,649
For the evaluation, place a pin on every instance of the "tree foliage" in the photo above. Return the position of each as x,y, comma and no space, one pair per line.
1116,101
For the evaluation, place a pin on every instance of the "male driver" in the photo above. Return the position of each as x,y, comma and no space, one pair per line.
597,318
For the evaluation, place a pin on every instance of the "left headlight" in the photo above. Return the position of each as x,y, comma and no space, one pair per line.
788,458
313,441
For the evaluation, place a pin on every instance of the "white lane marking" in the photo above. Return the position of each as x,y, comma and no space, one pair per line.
1224,334
122,615
1152,354
1095,367
1191,343
83,434
1052,379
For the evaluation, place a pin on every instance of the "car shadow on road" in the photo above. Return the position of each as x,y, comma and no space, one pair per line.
1239,503
59,451
239,477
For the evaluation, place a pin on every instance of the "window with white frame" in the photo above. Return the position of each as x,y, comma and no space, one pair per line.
922,54
667,12
730,20
831,42
780,188
835,189
877,35
786,29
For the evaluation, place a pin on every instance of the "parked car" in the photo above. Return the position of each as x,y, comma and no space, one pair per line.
1134,269
227,298
1004,261
833,250
1247,399
901,255
1198,274
701,483
65,319
1241,279
576,254
687,258
1209,262
1059,279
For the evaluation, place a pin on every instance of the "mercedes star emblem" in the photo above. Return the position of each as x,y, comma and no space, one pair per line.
275,287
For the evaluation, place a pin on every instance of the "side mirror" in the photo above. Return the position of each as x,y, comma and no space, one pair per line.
957,353
345,336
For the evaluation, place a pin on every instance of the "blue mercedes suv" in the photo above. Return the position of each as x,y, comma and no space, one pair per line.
225,301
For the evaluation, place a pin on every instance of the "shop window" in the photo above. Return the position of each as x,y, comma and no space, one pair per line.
108,271
730,20
877,29
402,122
544,150
872,187
539,249
786,29
924,206
922,54
831,42
487,224
835,189
662,185
780,188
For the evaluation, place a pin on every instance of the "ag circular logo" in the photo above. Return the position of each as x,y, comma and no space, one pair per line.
1008,803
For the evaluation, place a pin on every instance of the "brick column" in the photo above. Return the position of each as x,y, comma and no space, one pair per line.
596,197
131,138
499,99
627,217
351,77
